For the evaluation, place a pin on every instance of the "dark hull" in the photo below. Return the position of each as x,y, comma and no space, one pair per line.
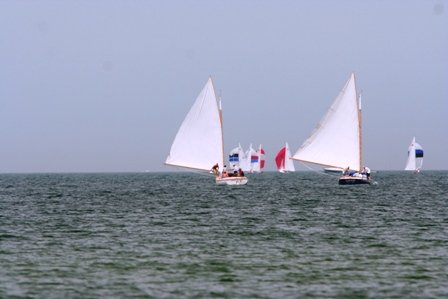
349,180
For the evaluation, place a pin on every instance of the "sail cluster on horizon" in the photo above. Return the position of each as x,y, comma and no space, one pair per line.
252,160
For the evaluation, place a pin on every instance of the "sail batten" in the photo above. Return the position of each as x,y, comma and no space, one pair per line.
336,141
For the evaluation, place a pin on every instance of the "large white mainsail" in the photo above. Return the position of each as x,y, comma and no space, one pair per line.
336,141
199,141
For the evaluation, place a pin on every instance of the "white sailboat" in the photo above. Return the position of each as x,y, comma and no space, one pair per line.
254,160
199,143
415,157
249,159
337,140
283,160
245,160
257,160
237,156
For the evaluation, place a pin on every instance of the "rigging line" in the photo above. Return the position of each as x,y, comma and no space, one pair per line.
319,172
203,173
192,170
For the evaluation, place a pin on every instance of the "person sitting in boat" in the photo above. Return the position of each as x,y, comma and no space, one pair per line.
224,172
215,169
356,174
349,172
236,169
366,172
346,171
240,172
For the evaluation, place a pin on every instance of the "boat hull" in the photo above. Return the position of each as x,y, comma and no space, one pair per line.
352,180
232,180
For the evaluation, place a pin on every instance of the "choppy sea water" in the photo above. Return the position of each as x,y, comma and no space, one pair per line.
178,235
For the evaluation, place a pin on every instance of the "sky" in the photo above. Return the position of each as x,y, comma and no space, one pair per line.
103,85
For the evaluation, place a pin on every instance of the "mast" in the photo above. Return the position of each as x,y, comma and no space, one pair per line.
360,127
220,121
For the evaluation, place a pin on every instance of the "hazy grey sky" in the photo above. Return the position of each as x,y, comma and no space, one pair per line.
104,85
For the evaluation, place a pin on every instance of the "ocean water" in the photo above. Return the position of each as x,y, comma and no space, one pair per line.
178,235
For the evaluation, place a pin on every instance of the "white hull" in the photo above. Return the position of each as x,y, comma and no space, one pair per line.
242,180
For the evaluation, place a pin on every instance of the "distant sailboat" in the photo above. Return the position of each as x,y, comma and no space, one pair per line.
245,163
261,158
283,160
253,160
336,142
258,160
415,157
236,156
199,143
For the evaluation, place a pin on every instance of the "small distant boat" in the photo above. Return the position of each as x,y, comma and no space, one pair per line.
199,143
415,157
253,161
336,142
257,160
237,156
245,163
283,160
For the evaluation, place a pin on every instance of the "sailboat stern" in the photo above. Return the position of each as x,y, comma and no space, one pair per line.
232,180
354,180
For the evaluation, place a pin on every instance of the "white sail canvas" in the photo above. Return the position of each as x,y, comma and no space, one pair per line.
237,156
289,163
247,166
415,156
410,164
336,141
199,141
255,161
